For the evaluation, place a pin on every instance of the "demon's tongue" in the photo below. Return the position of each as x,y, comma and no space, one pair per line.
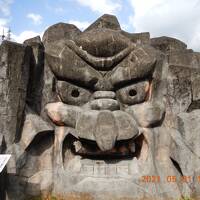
106,130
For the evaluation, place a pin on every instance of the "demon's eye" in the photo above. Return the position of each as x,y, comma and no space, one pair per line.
75,93
133,94
72,94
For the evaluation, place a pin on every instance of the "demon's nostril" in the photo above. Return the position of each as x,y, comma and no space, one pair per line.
75,93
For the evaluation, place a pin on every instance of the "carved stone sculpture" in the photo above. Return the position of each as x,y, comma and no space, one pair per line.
100,114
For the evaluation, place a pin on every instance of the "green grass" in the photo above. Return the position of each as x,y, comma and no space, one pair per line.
186,198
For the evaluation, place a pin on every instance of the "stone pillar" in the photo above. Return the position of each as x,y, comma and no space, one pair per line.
14,76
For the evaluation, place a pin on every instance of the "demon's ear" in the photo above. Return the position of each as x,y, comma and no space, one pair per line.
159,81
38,128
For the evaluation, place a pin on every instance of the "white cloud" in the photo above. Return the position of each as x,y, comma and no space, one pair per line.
36,18
4,12
80,25
5,7
178,19
25,35
3,22
102,6
125,27
195,40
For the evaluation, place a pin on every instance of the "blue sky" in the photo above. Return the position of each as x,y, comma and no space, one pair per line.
57,11
180,18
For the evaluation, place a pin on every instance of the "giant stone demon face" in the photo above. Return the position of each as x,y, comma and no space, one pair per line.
105,86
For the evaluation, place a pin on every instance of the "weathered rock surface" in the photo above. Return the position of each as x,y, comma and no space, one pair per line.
106,108
14,77
105,21
167,44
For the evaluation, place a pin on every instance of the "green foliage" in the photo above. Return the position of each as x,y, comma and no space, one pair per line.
186,198
53,198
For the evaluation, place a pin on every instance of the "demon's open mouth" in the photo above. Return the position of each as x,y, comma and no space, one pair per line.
88,149
122,149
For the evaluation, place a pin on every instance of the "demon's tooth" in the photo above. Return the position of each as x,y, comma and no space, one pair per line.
77,146
132,147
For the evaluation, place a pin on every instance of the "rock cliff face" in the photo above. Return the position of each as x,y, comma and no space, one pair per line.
99,114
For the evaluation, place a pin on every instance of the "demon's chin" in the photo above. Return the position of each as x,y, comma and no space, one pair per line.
84,157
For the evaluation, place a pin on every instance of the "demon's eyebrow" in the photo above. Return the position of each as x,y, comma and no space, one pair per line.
70,67
139,64
101,63
125,83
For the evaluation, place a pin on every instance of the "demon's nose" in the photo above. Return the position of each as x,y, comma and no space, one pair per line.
104,100
104,95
